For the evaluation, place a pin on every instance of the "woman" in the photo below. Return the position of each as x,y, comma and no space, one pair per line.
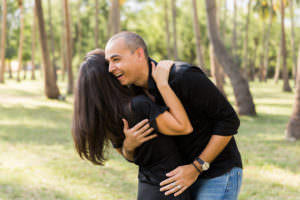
100,105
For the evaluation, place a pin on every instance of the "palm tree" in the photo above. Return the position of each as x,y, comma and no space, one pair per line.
293,127
293,51
167,26
114,17
20,53
234,35
68,47
286,85
3,41
245,50
51,89
51,39
33,36
240,86
197,36
96,23
175,52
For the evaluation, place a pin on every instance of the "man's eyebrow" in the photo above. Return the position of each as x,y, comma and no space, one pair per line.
113,56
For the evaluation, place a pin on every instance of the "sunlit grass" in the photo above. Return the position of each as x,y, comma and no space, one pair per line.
38,160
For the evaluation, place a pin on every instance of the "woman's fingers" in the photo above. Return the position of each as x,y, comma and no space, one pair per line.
125,123
140,125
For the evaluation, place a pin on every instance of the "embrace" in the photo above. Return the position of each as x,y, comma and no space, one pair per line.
167,117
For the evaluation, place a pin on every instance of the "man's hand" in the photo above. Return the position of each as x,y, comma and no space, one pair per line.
136,135
179,180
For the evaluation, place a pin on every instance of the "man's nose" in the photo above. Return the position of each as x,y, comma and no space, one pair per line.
111,67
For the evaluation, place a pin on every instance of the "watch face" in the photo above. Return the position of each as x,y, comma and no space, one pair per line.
205,166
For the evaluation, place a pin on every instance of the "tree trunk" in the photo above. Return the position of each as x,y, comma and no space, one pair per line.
9,69
79,30
261,66
175,52
278,65
234,37
216,70
52,43
167,24
285,75
198,36
223,27
240,86
33,36
51,89
293,50
245,50
3,41
21,39
96,23
293,127
114,17
68,47
266,44
62,44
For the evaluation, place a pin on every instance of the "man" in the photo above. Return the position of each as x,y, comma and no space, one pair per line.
213,166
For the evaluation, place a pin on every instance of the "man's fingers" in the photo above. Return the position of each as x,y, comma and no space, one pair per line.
140,124
150,137
167,181
146,132
180,191
172,190
125,122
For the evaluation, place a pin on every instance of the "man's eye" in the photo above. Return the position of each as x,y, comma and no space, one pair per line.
116,59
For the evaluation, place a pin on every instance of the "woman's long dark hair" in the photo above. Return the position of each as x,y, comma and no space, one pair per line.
100,102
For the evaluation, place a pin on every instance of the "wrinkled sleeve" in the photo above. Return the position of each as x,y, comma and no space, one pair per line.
145,108
203,95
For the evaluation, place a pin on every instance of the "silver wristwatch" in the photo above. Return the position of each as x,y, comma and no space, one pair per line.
204,165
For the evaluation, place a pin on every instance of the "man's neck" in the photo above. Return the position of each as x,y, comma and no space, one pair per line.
144,76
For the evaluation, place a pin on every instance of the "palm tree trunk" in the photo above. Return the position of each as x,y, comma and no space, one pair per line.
175,52
51,89
167,26
216,70
9,70
285,76
68,47
20,53
293,127
266,43
278,65
52,43
234,37
3,41
245,50
293,50
240,86
79,30
223,27
261,66
115,17
198,36
33,36
96,23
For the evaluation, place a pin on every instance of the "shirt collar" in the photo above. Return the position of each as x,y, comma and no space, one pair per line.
151,83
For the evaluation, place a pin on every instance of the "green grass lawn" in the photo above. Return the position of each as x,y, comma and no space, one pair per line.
38,161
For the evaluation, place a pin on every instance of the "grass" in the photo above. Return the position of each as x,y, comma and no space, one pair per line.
38,161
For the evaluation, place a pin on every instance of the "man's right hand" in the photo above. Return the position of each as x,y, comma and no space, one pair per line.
137,135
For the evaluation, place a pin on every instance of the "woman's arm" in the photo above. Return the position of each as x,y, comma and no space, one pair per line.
176,121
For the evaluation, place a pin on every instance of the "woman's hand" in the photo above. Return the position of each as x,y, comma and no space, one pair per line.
160,73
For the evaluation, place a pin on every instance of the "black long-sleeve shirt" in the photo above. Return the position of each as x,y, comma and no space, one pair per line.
209,112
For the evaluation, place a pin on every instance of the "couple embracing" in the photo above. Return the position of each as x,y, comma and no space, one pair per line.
166,117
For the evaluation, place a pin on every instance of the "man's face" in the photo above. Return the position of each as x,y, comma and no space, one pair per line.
123,64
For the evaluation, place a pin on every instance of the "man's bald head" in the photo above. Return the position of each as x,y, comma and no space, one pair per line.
132,41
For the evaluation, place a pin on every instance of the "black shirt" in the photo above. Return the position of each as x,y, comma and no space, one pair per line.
209,112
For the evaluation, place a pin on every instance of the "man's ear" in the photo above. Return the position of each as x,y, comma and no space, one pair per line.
140,52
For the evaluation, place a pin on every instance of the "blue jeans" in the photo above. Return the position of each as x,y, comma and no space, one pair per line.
224,187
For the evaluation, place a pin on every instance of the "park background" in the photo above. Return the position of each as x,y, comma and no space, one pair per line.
247,47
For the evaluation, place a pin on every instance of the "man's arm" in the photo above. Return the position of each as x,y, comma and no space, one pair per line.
216,108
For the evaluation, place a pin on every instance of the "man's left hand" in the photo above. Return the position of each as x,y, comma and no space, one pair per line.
179,180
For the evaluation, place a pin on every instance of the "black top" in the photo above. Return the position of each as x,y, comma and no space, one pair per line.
209,112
